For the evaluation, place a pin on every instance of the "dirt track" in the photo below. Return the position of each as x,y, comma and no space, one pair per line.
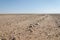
29,27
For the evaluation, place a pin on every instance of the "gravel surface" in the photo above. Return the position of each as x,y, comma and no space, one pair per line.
30,27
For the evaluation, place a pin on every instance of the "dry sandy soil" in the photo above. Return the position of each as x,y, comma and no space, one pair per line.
30,27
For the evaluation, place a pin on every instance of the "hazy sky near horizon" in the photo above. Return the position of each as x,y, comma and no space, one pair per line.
29,6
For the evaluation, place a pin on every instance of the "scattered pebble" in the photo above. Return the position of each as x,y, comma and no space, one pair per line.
58,26
37,24
13,39
29,30
30,26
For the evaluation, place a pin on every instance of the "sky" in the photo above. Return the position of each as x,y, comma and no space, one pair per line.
29,6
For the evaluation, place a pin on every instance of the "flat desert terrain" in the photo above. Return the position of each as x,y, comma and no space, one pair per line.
30,27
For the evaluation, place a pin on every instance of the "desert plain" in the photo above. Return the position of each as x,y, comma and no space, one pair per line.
30,27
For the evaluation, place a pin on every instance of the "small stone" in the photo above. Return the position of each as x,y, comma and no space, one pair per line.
19,33
30,30
58,26
30,26
13,39
37,24
56,35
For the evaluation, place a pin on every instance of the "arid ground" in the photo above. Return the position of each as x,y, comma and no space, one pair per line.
30,27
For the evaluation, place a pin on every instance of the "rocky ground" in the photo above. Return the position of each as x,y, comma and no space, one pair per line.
30,27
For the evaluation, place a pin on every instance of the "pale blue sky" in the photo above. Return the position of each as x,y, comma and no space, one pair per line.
29,6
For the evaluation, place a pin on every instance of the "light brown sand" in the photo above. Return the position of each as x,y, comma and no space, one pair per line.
29,27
